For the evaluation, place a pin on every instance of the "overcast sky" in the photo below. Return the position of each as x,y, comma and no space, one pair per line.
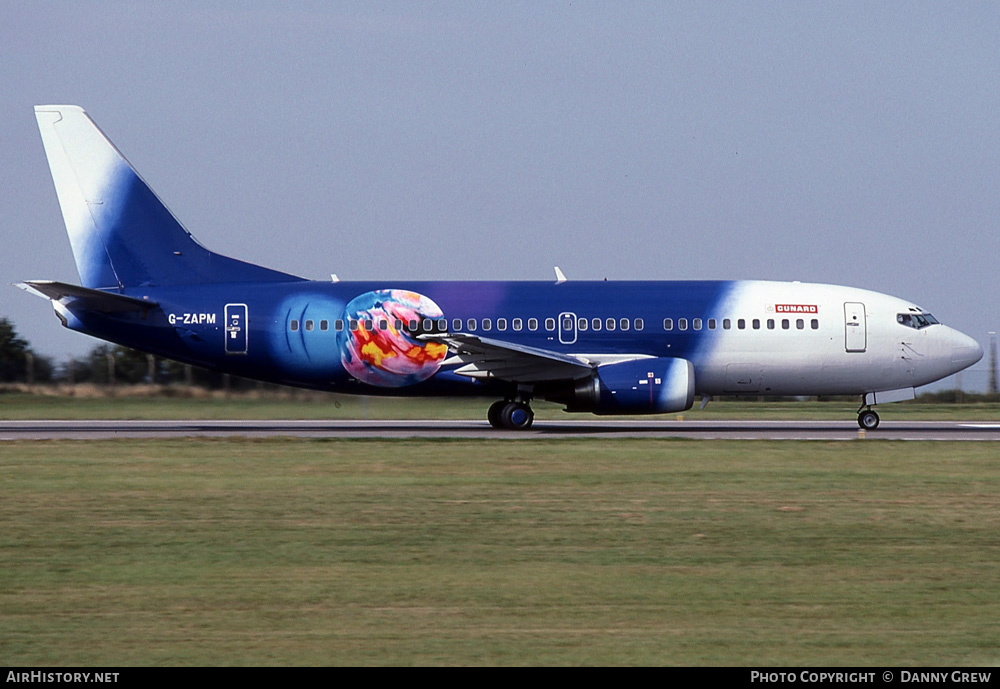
853,143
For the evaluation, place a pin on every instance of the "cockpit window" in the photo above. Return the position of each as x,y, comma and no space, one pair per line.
916,321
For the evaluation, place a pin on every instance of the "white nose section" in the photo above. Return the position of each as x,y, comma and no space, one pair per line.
964,351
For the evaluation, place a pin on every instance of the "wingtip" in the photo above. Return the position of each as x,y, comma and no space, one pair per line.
29,287
560,277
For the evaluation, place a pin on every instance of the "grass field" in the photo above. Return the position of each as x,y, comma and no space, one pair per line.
289,551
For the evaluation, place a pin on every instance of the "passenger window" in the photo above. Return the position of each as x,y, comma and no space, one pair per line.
324,325
369,326
741,324
596,323
517,324
623,324
456,324
756,324
726,324
487,324
294,325
412,328
711,324
443,325
800,324
550,324
668,323
532,324
581,324
696,324
309,326
471,324
815,324
353,324
609,324
427,325
567,323
770,324
338,324
501,324
784,324
639,324
383,324
682,324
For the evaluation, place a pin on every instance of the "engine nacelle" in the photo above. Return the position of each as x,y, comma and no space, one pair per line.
642,386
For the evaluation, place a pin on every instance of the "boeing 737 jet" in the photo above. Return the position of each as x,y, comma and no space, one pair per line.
600,347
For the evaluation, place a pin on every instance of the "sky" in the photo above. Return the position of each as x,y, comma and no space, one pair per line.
850,143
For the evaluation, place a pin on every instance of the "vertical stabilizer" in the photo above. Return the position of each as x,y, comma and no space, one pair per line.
121,233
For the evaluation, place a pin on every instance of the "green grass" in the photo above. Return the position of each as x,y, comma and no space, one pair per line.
287,551
99,404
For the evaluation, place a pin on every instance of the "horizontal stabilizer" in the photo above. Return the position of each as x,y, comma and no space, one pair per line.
90,299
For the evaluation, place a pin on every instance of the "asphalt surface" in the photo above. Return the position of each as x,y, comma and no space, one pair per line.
595,428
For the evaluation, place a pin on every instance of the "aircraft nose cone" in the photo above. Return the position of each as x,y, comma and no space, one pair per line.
965,351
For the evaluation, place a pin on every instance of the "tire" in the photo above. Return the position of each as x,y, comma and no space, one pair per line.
495,414
517,417
868,420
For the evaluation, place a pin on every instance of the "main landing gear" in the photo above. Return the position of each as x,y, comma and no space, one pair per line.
868,419
512,415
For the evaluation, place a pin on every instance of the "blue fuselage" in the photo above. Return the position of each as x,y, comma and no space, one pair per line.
295,333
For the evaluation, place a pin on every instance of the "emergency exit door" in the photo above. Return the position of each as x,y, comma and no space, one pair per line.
567,328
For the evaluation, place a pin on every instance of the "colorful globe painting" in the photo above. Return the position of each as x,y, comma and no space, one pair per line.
380,352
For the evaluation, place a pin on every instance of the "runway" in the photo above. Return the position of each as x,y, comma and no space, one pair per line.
598,428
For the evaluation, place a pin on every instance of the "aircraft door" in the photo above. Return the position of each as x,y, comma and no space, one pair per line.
567,327
236,328
855,327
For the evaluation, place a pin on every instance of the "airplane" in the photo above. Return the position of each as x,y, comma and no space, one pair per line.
609,348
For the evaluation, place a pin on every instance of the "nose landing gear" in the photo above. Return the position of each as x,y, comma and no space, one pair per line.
868,419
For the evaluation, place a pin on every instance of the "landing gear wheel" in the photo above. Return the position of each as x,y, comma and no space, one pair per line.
495,413
868,420
517,417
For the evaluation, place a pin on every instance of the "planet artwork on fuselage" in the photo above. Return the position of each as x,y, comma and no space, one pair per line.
378,349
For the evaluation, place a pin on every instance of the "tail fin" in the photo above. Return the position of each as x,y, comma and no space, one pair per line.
122,234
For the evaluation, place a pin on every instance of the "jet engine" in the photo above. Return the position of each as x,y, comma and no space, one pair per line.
641,386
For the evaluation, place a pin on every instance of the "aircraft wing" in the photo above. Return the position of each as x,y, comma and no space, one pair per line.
487,358
91,299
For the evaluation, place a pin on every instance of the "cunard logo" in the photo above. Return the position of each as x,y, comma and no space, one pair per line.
796,308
